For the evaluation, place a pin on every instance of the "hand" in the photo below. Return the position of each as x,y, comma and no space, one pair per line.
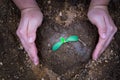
31,19
100,17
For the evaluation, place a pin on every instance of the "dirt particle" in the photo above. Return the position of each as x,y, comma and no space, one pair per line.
58,78
42,79
49,2
3,79
20,47
60,14
1,63
48,44
106,61
65,17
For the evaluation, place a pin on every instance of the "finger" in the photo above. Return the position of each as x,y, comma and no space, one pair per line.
33,53
106,44
22,29
101,25
98,48
24,44
31,34
31,50
32,31
110,32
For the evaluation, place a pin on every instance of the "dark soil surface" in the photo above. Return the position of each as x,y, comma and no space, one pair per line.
69,54
73,60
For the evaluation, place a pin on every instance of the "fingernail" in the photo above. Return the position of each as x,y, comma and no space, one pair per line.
36,62
95,58
30,39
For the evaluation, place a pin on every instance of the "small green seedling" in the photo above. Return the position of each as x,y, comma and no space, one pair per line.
57,45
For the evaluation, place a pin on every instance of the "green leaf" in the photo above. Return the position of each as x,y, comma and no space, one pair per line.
72,38
57,46
62,39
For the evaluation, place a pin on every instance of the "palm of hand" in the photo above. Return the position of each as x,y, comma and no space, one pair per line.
100,17
31,19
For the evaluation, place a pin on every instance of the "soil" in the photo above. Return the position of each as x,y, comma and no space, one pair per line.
73,60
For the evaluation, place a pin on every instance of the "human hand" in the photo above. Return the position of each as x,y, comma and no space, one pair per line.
31,19
99,16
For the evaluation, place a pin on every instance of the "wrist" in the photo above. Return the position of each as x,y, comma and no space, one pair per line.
29,9
99,4
25,4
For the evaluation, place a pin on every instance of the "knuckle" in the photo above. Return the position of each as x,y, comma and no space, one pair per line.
18,33
113,29
21,32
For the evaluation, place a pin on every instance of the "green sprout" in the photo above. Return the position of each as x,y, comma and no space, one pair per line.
57,45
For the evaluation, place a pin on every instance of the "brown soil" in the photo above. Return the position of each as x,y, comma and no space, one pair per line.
61,18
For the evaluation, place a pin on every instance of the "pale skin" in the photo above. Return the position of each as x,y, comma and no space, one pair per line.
31,19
